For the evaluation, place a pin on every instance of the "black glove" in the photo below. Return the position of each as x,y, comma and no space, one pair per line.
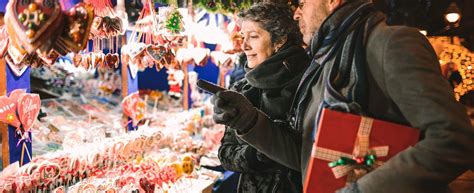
350,188
234,110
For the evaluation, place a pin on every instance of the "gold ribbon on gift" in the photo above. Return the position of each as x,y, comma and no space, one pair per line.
361,149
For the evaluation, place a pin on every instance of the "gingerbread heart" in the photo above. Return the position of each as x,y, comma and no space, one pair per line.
74,37
168,60
200,55
34,23
15,95
28,109
220,58
156,52
184,56
8,111
98,60
111,61
107,60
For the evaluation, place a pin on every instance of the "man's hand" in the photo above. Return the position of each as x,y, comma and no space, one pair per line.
234,110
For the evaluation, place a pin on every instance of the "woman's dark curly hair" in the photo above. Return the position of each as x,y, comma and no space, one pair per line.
277,19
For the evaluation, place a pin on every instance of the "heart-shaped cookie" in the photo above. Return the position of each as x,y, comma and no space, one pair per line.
200,55
168,59
156,52
15,94
74,37
130,106
98,59
8,111
184,56
220,58
111,61
107,60
34,24
28,109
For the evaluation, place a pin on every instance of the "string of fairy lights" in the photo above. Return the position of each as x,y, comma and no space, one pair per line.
460,59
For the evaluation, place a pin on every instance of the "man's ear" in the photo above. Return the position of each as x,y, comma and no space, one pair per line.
333,4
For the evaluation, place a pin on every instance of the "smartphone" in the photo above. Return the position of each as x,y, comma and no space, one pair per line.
209,87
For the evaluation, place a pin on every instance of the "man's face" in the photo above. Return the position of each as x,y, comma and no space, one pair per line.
310,14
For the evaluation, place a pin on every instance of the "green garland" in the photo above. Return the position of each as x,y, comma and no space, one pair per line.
223,6
175,22
215,6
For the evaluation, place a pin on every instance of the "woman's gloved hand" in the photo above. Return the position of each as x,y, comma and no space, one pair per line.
234,110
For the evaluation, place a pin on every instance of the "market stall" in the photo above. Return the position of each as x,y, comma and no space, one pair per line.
98,120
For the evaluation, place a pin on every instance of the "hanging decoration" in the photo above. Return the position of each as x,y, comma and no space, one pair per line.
31,26
79,22
133,8
20,110
106,23
175,81
8,111
214,6
39,32
174,23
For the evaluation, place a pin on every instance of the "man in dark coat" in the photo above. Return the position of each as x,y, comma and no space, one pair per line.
403,85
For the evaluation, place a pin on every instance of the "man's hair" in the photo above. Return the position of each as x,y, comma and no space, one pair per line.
277,19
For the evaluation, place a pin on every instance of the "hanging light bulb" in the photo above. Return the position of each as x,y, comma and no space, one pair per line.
453,14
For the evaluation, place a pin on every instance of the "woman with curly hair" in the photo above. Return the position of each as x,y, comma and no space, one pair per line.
275,64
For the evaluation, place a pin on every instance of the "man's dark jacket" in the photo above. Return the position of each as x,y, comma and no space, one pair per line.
405,86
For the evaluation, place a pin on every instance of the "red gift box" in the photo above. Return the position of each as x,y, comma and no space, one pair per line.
346,144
